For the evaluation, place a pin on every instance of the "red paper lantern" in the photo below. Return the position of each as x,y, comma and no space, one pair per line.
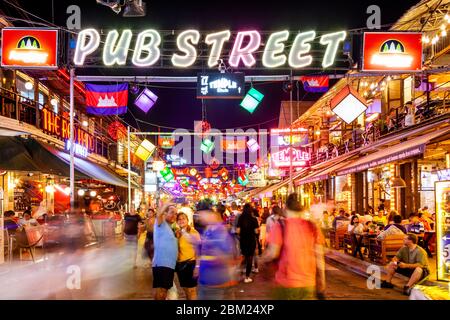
208,172
202,128
117,130
214,163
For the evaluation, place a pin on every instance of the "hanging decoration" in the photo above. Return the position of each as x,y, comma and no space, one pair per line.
207,146
214,163
167,174
252,145
117,131
202,128
145,150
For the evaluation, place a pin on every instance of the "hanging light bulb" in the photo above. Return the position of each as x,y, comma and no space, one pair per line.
443,27
28,85
425,39
447,17
444,33
389,78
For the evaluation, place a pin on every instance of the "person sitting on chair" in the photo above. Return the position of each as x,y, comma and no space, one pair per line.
410,261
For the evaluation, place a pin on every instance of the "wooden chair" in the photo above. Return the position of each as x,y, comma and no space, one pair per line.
348,243
380,250
337,238
28,239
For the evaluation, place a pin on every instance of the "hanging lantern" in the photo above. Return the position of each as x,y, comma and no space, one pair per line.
193,172
207,146
202,128
117,131
208,172
214,163
167,174
145,150
252,145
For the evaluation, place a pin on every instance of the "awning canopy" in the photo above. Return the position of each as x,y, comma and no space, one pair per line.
403,150
322,174
14,156
89,168
268,190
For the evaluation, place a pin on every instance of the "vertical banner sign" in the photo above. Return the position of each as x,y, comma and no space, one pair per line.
443,229
220,85
392,51
35,48
105,100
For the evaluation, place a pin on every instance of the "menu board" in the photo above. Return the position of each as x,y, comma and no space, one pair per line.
443,229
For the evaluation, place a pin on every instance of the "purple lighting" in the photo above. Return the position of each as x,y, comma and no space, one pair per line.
146,100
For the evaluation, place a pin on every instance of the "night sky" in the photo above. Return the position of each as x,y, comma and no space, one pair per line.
178,107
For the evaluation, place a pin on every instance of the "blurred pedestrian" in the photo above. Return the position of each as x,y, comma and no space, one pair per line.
165,252
132,232
298,245
248,229
216,263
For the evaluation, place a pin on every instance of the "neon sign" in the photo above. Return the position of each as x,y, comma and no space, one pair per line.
79,150
220,85
282,158
29,48
146,52
392,51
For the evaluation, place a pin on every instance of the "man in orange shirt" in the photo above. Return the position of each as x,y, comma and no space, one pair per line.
298,245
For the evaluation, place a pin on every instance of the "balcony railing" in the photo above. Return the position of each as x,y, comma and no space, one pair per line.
15,106
382,128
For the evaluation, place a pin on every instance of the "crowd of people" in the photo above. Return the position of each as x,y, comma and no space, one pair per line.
418,230
210,249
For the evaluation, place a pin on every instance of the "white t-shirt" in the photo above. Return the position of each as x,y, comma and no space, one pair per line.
358,229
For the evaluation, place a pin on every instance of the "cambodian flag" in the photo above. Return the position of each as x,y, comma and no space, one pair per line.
315,83
105,100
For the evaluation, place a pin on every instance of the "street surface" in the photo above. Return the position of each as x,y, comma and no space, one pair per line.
107,273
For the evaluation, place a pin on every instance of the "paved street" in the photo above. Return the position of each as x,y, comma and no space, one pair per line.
107,274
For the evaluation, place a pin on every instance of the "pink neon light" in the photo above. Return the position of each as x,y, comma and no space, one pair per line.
245,54
282,158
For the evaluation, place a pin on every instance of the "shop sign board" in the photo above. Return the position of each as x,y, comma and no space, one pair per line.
392,51
411,152
231,145
300,158
220,85
59,126
35,48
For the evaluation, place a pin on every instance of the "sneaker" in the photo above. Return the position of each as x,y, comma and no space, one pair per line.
387,285
406,290
248,280
255,270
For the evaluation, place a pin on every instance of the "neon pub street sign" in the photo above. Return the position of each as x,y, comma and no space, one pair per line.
117,48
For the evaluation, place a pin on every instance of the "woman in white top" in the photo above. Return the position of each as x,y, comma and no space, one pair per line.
356,230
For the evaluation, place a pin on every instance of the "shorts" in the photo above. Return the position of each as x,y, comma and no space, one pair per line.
163,277
306,293
185,273
407,272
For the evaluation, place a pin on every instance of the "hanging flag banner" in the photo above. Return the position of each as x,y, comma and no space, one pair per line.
105,100
35,48
392,51
315,83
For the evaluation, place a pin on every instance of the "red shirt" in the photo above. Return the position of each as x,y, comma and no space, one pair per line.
297,263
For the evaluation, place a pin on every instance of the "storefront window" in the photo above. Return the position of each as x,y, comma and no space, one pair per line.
23,91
